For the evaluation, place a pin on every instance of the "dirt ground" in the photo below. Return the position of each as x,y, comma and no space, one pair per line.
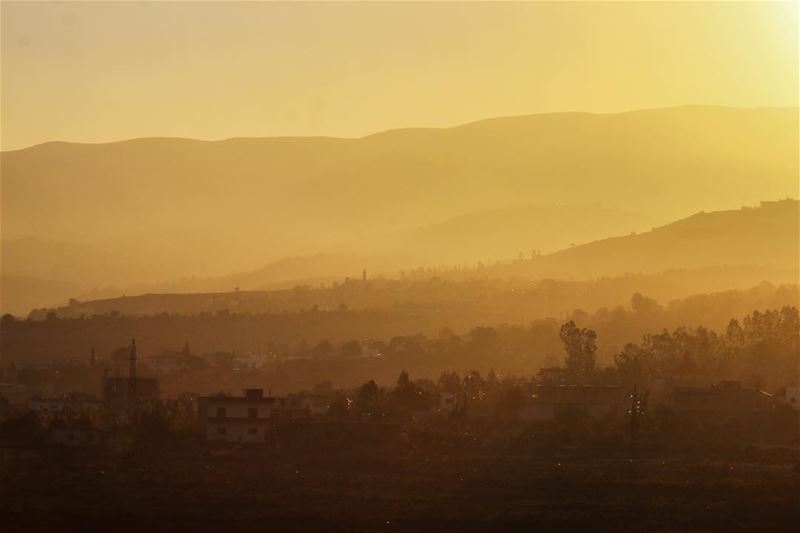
196,488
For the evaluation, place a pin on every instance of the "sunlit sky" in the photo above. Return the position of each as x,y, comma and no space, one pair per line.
105,71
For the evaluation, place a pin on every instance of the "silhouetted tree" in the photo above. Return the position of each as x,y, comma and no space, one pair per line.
351,349
323,388
324,347
339,408
367,398
409,395
511,403
474,385
580,347
449,382
643,304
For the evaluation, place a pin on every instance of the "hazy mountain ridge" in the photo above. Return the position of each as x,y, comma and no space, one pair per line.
765,236
300,194
486,236
738,248
152,208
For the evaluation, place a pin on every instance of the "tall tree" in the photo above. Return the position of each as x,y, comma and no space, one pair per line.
580,345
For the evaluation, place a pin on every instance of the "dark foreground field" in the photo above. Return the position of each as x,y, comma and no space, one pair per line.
190,487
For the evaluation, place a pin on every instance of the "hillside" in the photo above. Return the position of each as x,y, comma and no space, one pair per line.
56,271
428,307
766,236
152,208
705,252
502,233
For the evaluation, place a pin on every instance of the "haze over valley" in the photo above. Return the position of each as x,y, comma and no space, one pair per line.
176,215
399,266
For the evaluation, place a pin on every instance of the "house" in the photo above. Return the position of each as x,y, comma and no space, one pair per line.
547,402
727,399
71,405
246,418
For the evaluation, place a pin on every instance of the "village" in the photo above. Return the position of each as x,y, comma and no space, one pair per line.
367,412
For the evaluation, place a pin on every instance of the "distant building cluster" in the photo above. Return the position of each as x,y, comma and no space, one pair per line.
256,417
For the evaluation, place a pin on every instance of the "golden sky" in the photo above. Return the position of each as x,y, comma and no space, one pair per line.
105,71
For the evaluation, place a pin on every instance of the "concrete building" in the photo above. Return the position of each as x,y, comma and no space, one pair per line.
69,405
121,395
246,418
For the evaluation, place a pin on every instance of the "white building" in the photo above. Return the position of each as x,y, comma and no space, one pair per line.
237,418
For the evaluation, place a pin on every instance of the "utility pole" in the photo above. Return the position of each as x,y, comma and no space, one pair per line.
635,413
132,378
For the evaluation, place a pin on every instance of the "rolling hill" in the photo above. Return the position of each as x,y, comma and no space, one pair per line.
159,209
713,251
767,236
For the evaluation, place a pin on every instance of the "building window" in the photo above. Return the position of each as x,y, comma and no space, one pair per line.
220,412
252,412
222,431
252,431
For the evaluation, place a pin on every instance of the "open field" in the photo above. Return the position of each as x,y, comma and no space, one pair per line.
190,487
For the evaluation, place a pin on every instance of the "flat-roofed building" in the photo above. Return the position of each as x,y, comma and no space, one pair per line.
72,405
245,418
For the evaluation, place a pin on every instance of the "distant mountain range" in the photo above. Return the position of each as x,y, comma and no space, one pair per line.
137,214
707,251
52,272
